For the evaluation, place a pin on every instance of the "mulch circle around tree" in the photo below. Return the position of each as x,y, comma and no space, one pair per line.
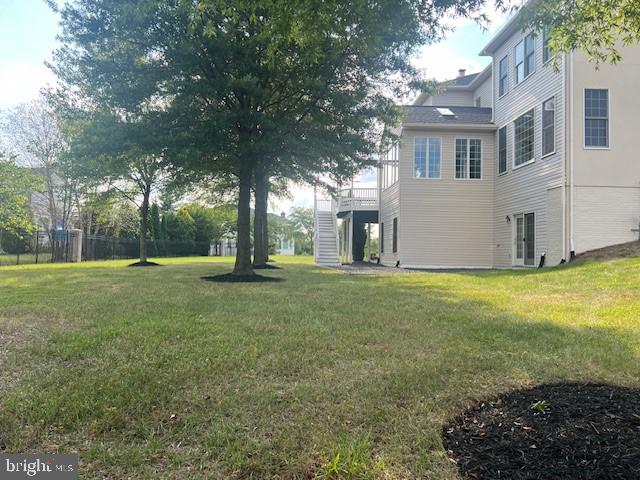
561,431
266,267
231,278
144,264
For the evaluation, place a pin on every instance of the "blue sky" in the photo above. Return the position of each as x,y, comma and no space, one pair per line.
27,37
28,30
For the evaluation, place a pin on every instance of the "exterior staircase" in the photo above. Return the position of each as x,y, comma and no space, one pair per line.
325,244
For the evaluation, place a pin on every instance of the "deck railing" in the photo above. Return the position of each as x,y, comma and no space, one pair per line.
357,199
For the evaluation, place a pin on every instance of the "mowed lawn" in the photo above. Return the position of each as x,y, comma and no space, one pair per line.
155,373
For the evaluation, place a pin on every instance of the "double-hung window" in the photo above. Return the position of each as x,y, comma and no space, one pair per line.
525,58
427,155
546,51
596,118
549,126
504,72
468,158
502,150
524,139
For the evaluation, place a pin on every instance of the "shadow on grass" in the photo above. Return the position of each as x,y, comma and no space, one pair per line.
270,385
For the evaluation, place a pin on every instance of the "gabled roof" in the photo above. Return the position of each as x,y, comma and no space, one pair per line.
421,115
466,83
511,26
462,81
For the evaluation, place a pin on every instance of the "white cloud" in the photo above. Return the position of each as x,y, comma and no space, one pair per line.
21,82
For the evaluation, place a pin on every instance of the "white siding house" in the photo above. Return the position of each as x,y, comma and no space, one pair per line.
521,165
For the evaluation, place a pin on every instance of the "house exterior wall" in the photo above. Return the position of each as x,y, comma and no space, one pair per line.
450,98
485,93
446,222
524,189
607,181
390,209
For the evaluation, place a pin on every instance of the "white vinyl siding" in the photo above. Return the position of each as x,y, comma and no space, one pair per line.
525,55
468,158
596,118
549,127
427,158
525,189
524,133
448,223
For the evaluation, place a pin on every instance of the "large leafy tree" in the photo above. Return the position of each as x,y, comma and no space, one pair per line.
281,88
598,28
124,153
15,185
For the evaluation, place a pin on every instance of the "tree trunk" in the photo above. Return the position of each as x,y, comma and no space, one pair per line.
265,224
144,220
243,253
260,243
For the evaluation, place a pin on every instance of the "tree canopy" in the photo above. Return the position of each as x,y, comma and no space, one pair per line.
292,88
15,185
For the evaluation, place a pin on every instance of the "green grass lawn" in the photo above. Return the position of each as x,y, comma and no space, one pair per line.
155,373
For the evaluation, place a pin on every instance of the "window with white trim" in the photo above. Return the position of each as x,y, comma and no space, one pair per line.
596,118
549,126
525,58
468,158
504,72
502,150
546,51
389,166
524,138
427,156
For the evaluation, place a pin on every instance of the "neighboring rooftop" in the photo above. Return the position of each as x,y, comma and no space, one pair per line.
458,116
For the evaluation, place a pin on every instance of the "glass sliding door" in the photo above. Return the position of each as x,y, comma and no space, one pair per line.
524,239
529,239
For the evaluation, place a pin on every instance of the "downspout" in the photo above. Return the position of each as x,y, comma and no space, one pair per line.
567,101
572,158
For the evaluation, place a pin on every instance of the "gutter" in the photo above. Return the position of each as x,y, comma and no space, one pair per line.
489,127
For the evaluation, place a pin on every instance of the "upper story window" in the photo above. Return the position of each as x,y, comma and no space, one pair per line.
427,156
549,126
596,118
389,166
503,72
546,51
524,139
525,58
479,102
502,150
468,158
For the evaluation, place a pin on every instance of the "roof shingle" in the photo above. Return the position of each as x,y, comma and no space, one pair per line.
462,115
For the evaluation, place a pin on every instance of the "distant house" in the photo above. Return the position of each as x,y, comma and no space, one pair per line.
521,164
286,246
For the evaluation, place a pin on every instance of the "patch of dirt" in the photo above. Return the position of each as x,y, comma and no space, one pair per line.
231,278
144,264
625,250
550,432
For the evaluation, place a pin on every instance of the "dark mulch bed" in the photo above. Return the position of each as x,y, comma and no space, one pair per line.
144,264
576,431
266,267
231,278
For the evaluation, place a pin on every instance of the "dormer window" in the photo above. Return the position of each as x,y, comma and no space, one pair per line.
525,58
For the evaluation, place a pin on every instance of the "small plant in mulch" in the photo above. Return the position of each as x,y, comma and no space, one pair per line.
560,431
